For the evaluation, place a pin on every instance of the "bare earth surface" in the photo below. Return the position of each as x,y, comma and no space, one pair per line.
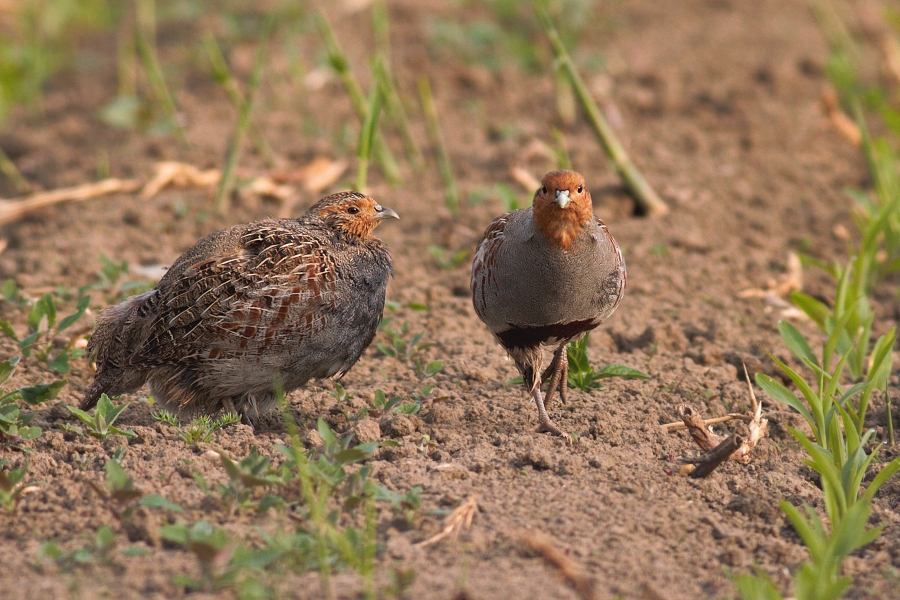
719,104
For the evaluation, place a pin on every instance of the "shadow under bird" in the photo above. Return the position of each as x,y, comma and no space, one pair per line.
288,299
544,276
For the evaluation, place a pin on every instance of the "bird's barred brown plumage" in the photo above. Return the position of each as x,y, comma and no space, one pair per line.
280,299
545,275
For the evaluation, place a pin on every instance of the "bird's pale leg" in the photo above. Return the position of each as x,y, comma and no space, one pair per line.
546,425
557,365
564,377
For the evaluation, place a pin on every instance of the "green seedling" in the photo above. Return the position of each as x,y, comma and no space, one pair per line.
819,577
836,416
121,494
200,429
235,147
584,377
381,405
111,281
446,259
406,505
222,560
429,110
341,65
398,344
250,473
210,546
100,424
145,38
340,393
829,404
98,551
507,196
367,133
222,74
10,292
44,329
15,425
837,452
12,485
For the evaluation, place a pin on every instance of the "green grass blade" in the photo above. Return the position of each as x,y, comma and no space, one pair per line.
643,192
146,45
796,342
226,184
781,394
367,134
451,194
222,74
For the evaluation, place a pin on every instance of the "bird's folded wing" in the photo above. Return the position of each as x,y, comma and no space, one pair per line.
483,264
270,287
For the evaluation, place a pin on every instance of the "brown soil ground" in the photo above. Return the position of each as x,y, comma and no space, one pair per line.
719,106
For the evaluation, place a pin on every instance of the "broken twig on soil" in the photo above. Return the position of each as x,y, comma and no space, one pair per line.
738,448
459,519
179,174
681,426
574,574
708,461
13,210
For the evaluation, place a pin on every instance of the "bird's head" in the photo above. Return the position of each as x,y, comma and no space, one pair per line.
352,213
562,206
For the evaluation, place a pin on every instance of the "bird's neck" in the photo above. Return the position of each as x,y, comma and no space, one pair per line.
561,226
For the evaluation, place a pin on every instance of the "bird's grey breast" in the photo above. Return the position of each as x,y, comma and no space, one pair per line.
541,284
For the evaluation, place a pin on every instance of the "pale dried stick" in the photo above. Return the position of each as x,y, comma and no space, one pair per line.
459,519
571,571
13,210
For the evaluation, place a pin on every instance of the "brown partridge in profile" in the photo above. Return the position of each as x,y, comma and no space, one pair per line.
288,299
545,275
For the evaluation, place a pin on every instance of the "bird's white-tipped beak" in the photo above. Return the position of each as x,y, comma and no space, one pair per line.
562,198
383,212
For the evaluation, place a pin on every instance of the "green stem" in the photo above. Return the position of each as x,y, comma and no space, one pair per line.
341,65
146,45
9,168
644,194
451,194
226,185
223,75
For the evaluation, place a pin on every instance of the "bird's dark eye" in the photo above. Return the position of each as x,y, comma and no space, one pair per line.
353,210
544,190
580,189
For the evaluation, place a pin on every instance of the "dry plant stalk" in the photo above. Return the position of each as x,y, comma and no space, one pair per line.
718,449
13,210
778,289
572,572
712,458
321,173
524,178
181,175
459,519
681,426
790,281
838,118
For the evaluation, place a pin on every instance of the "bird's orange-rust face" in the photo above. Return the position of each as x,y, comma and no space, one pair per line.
562,206
354,213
